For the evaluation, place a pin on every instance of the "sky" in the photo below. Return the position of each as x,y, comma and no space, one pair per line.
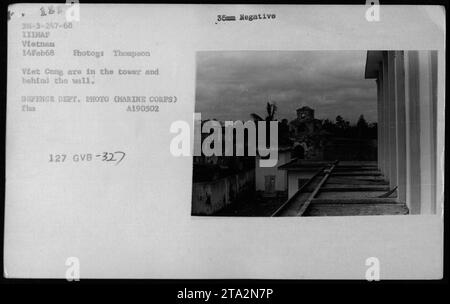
232,84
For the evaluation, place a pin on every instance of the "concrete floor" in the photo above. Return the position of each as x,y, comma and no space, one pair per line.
352,188
360,189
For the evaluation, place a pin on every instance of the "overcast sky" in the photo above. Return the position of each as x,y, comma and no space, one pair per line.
231,85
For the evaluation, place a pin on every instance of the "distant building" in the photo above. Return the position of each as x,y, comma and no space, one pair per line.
305,123
306,131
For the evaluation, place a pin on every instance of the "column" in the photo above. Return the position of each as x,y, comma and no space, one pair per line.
412,131
427,133
434,117
392,123
385,126
380,159
438,60
401,124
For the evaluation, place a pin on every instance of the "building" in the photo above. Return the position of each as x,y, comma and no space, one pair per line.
270,181
305,123
407,177
410,152
299,172
306,132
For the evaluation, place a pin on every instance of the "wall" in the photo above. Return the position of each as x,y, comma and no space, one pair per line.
280,175
209,197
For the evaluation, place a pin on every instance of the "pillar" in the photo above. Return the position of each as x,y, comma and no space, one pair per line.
385,126
392,120
427,133
380,159
401,124
412,131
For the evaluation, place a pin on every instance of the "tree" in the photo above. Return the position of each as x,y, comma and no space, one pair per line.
362,123
342,125
362,126
283,132
372,131
271,108
328,126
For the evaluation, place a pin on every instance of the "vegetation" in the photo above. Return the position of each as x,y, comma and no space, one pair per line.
271,109
342,128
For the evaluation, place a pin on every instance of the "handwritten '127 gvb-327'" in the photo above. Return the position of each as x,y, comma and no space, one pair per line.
109,157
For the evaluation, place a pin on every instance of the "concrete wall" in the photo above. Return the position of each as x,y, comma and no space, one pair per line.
209,197
280,175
